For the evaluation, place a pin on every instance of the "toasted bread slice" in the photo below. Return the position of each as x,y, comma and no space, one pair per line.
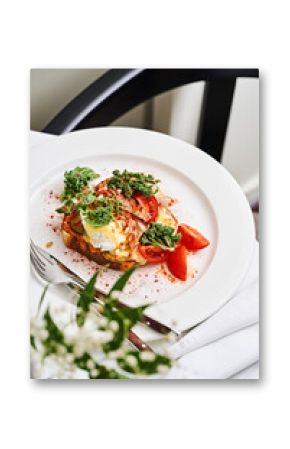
74,239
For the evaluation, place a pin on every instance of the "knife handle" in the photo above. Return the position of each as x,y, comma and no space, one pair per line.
150,322
137,342
132,337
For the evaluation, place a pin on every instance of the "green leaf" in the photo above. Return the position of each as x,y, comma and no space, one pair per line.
53,330
87,295
160,235
42,297
122,281
32,342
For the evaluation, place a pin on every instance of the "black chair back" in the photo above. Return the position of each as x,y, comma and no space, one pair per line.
120,90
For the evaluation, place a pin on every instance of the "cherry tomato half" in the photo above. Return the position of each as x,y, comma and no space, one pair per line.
191,238
150,204
153,254
177,262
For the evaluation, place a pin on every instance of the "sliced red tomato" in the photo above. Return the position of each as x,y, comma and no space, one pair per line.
177,262
191,238
153,254
149,204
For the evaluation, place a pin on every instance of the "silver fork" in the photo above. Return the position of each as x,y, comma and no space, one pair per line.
99,295
52,271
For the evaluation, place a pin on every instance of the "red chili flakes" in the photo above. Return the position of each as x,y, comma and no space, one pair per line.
164,272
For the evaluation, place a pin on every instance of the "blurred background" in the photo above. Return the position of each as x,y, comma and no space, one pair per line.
176,113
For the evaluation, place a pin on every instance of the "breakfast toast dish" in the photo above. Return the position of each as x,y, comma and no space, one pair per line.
124,220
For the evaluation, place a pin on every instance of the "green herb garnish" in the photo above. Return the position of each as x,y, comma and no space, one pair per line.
105,202
160,235
103,212
74,195
130,183
85,199
76,180
101,216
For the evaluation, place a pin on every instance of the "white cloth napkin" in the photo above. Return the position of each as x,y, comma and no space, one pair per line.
226,343
224,346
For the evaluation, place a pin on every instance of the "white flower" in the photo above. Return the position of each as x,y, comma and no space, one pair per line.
69,358
103,321
162,369
90,364
79,349
116,354
131,360
147,356
94,372
61,350
90,324
107,336
115,294
114,326
43,334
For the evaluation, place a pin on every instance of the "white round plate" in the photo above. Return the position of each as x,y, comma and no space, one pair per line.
209,199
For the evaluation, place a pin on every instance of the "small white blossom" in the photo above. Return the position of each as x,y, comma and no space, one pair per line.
43,334
147,356
61,350
69,358
162,369
90,364
103,321
114,326
79,349
115,294
131,360
117,354
107,336
94,372
90,324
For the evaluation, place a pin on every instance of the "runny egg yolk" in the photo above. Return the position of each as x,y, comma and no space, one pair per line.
106,238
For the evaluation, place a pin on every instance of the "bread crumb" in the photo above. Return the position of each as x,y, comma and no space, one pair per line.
49,244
